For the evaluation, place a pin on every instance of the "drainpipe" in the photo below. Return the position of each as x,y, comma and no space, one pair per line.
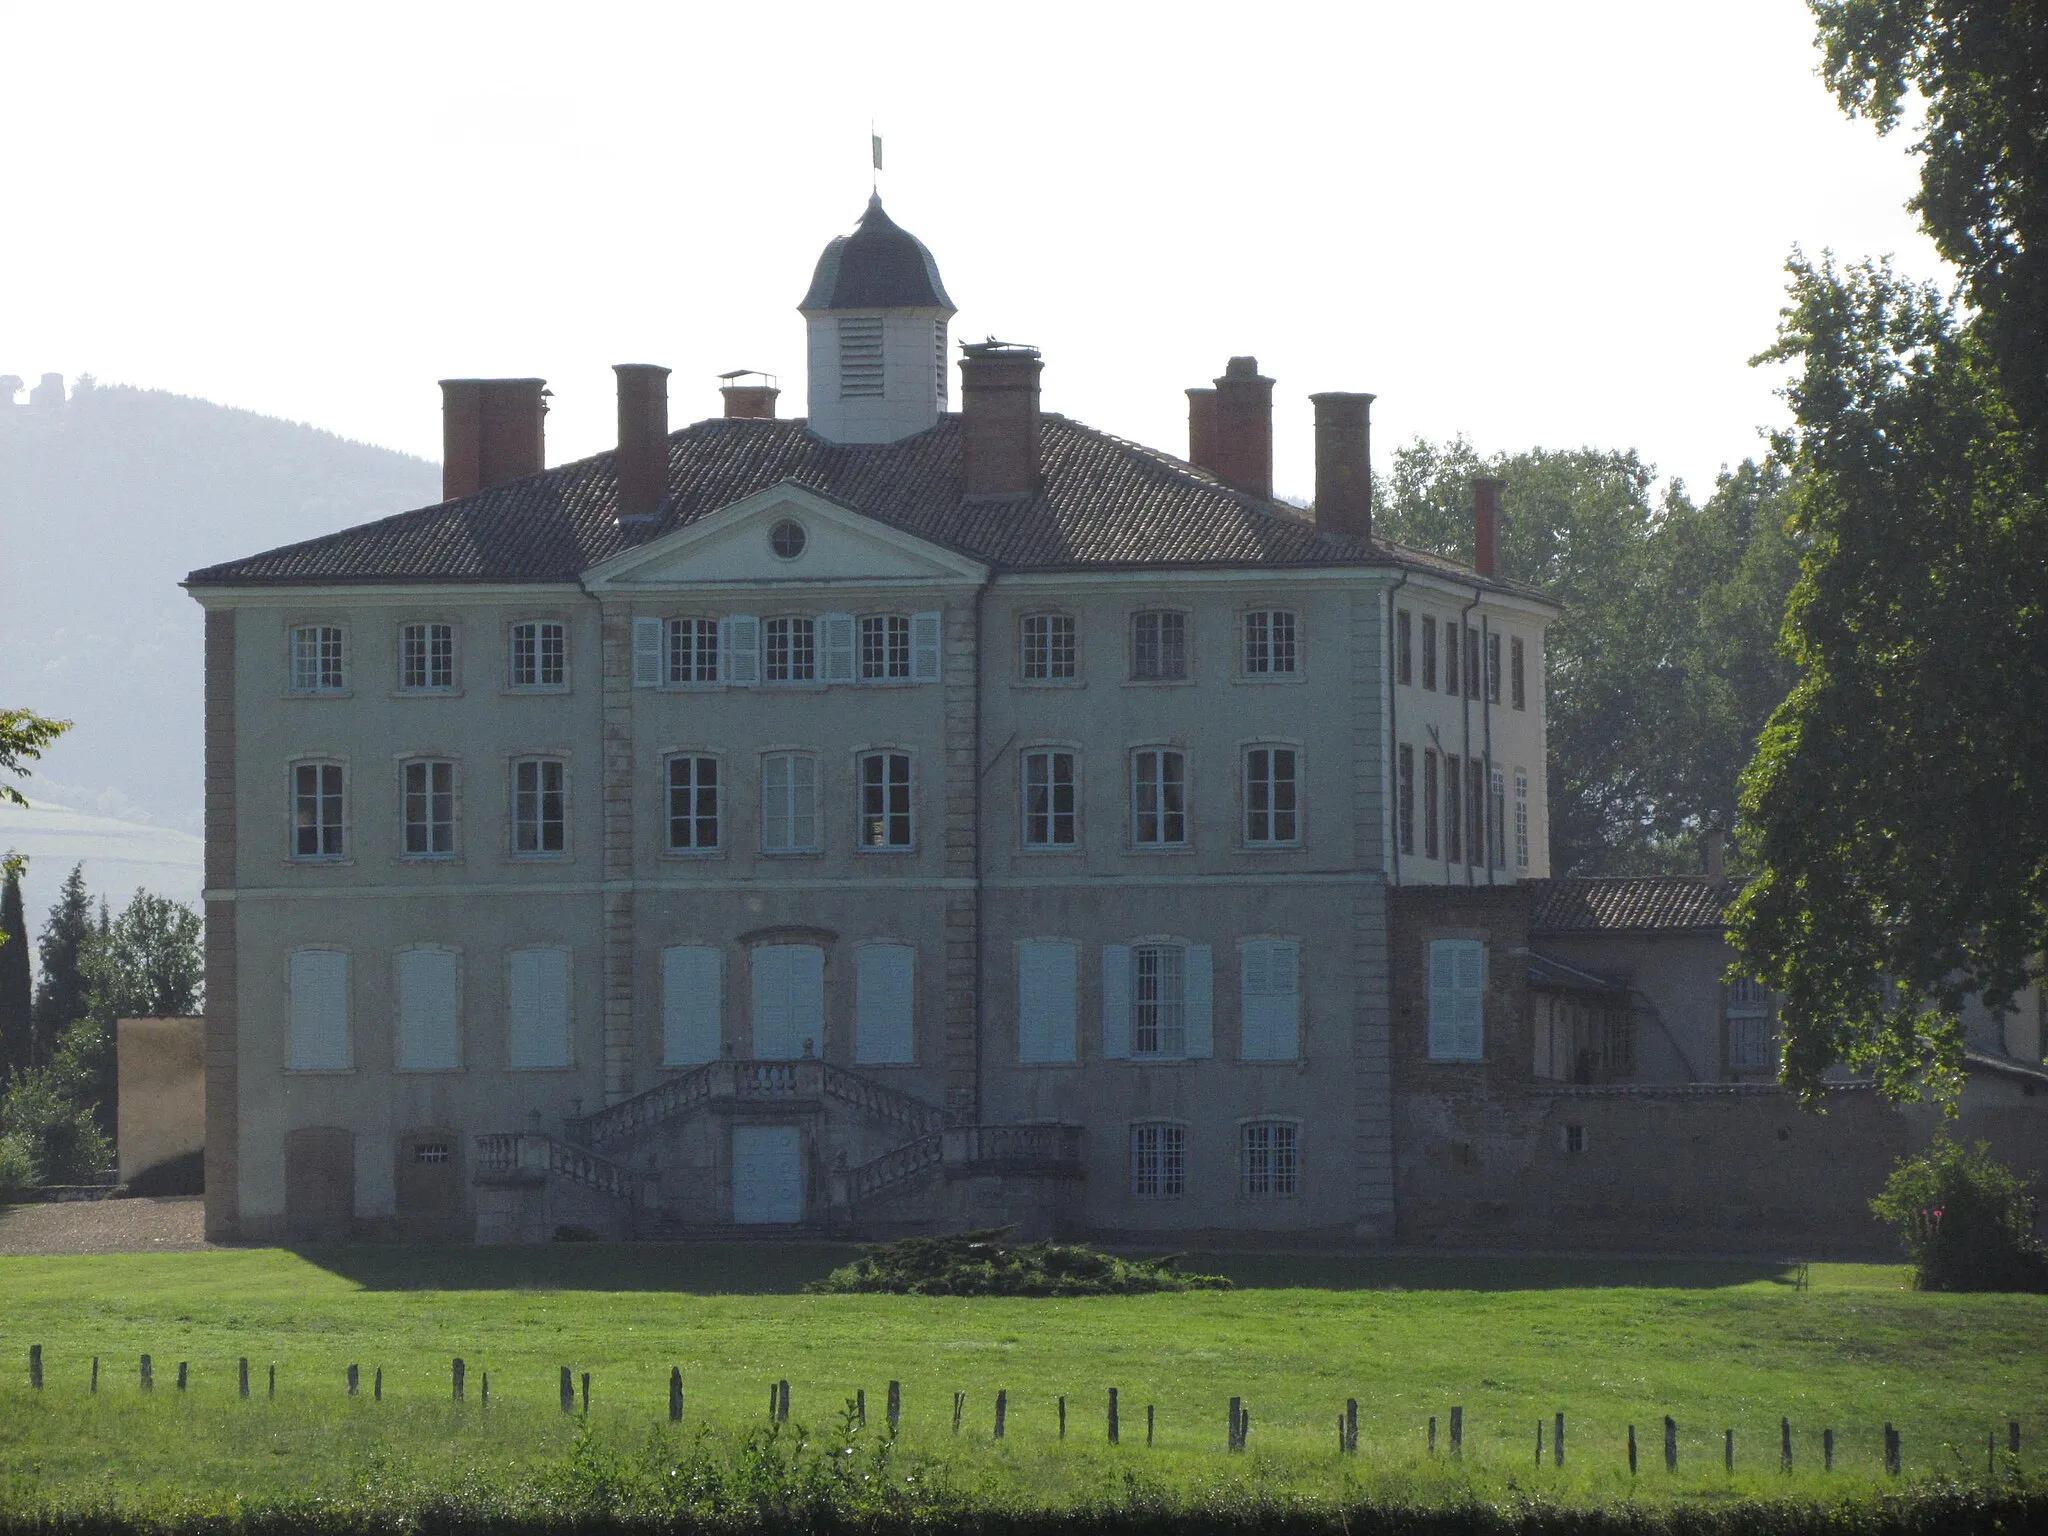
1393,731
1465,709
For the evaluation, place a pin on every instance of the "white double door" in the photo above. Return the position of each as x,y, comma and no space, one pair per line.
767,1174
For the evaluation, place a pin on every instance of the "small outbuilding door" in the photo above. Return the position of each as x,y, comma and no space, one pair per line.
767,1174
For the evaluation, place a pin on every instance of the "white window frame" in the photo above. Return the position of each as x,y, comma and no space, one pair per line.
892,801
1269,644
789,810
1521,818
518,822
1159,1159
1456,980
797,636
690,651
1272,812
1150,784
1749,1011
885,648
536,671
329,804
410,1044
434,642
1051,816
1048,648
318,660
1269,1013
428,797
693,793
1163,647
1271,1171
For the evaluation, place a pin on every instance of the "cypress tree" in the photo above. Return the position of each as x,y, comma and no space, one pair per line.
61,987
16,1012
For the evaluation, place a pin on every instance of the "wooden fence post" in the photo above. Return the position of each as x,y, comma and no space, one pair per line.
959,1407
1457,1433
95,1373
1002,1409
675,1394
378,1388
2012,1436
1148,1426
35,1366
148,1385
1539,1442
774,1401
1827,1450
895,1405
1063,1415
1728,1450
860,1406
1784,1444
568,1392
1891,1450
1235,1410
1557,1444
181,1375
483,1396
456,1370
241,1375
1670,1443
1631,1450
352,1381
782,1399
1432,1434
1351,1427
1112,1416
273,1379
586,1394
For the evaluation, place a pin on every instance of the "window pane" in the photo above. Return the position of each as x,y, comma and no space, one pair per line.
1159,647
693,802
885,647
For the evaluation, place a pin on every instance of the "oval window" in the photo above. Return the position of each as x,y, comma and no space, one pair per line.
786,538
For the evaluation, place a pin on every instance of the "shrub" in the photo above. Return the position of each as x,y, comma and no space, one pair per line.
64,1142
981,1263
1966,1220
17,1165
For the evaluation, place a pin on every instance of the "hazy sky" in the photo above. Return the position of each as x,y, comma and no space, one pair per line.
1535,224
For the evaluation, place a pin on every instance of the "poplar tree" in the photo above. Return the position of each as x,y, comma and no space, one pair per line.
61,986
16,1013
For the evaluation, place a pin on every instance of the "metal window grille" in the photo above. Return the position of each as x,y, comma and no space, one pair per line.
1271,1159
1159,1161
1158,1000
430,1152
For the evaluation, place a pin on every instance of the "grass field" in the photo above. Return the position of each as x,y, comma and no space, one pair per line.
1511,1341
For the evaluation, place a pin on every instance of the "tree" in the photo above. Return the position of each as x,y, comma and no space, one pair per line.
146,963
61,990
1897,809
23,735
16,1012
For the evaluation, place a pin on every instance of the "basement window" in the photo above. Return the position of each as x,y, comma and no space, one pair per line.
860,358
430,1151
1575,1139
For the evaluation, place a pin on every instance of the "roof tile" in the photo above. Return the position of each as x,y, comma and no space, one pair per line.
1630,904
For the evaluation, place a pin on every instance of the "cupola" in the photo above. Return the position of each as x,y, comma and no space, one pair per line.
877,316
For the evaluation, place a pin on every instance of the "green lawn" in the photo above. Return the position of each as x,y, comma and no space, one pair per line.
1512,1341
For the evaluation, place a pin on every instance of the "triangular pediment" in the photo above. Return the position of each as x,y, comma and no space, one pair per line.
734,546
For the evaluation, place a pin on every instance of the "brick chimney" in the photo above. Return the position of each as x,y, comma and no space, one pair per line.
1343,464
1244,427
748,402
1714,848
643,437
1202,429
1487,525
491,432
999,420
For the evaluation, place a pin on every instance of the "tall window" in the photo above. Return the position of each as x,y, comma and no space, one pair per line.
1406,812
429,1024
1496,820
791,650
426,658
1518,690
1269,1000
693,804
1159,812
1159,1000
1049,820
1471,663
429,810
1271,817
1430,847
1159,647
1493,667
1428,651
540,654
1451,657
317,804
860,358
1454,809
1269,646
539,805
885,647
1475,811
1048,972
885,800
885,1004
316,659
1749,1026
1047,649
1457,993
692,1000
789,803
317,1022
537,997
1271,1158
692,650
1404,646
1521,818
1159,1161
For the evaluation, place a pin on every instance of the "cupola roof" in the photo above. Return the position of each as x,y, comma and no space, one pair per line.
881,265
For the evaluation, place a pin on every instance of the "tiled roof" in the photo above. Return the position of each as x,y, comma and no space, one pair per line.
1630,904
1106,503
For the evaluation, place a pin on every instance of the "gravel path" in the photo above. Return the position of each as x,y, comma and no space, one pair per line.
166,1224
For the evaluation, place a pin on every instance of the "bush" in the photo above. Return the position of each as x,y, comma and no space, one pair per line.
982,1264
64,1142
17,1165
1967,1220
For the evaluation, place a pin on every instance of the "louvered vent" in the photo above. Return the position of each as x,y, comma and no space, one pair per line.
939,356
860,358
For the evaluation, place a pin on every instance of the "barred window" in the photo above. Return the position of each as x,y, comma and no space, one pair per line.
1159,1000
693,804
692,650
1271,1158
316,659
792,650
1047,649
885,647
430,1151
539,805
426,657
540,655
1049,820
1159,647
1269,647
1159,1161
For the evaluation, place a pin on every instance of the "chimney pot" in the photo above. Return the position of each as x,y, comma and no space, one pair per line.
642,462
492,431
1243,429
750,402
1343,464
999,420
1487,525
1202,429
